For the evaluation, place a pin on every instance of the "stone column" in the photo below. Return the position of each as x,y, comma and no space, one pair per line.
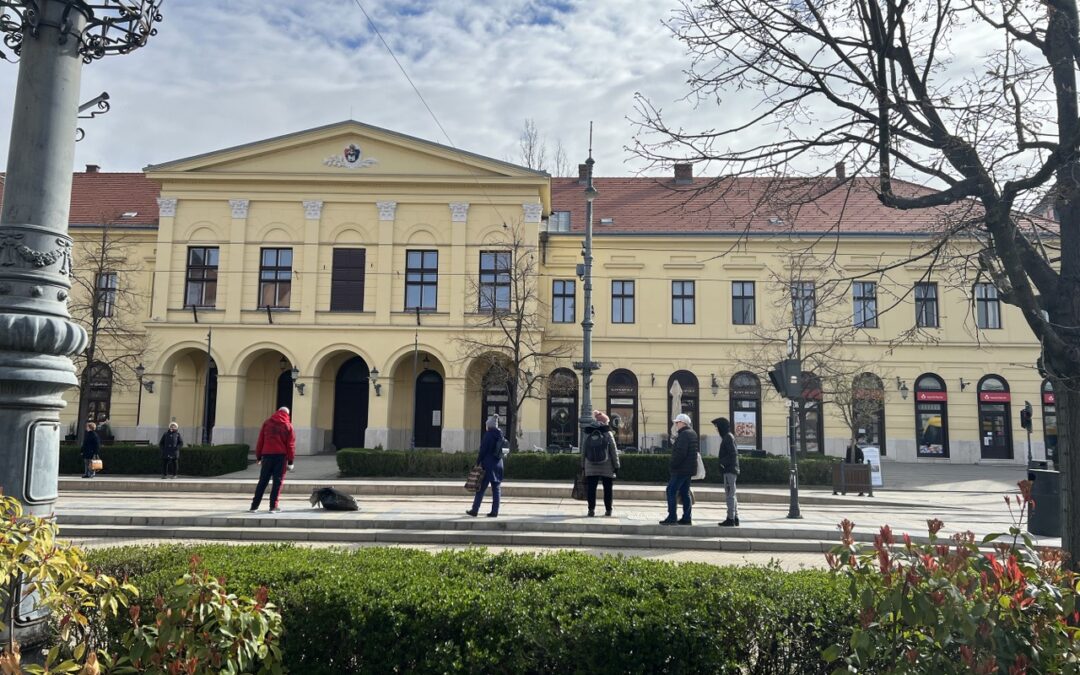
36,335
228,420
454,422
308,441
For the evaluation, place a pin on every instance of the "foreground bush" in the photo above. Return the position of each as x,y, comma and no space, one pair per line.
400,610
195,460
361,462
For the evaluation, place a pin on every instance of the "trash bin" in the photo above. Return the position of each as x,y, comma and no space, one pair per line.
1037,464
1045,517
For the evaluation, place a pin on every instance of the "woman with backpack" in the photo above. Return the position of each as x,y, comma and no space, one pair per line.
600,460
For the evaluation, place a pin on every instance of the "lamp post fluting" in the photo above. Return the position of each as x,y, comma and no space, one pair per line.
52,39
587,365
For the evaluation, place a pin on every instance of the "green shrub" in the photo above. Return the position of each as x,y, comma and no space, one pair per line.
195,460
398,610
773,470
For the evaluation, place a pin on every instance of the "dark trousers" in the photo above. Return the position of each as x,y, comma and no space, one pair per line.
590,494
678,486
167,463
273,467
496,495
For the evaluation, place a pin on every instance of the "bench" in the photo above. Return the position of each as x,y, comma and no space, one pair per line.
852,478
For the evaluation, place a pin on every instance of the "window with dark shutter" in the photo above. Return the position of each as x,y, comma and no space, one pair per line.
347,280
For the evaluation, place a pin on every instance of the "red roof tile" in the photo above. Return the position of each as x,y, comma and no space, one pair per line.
742,205
97,197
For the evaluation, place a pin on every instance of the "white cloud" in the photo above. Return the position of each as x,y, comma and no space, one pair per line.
226,72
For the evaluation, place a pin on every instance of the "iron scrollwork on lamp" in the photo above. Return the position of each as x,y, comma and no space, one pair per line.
102,27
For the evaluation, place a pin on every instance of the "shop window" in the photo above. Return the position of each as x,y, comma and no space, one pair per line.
744,408
622,406
995,422
931,416
562,409
868,409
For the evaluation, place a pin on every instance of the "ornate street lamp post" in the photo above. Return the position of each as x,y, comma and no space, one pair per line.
587,365
52,39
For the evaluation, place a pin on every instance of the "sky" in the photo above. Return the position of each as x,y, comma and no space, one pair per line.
226,72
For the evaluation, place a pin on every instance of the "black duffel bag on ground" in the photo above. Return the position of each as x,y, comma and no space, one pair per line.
332,499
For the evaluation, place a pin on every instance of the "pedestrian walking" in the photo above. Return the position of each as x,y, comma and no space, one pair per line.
275,452
91,447
170,445
600,460
491,459
729,466
683,466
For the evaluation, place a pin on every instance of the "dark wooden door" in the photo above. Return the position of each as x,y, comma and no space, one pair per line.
429,409
351,404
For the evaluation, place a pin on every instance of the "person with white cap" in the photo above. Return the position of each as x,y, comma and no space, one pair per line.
170,445
683,466
491,458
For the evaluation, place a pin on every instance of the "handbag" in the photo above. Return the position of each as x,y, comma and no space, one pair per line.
700,473
578,491
474,479
96,464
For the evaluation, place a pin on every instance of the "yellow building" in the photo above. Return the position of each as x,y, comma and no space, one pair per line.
304,259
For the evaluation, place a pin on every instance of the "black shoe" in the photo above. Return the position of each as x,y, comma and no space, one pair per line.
685,521
730,522
736,522
669,521
608,512
471,512
492,515
163,476
591,513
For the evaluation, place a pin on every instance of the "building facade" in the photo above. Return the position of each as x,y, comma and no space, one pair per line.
339,271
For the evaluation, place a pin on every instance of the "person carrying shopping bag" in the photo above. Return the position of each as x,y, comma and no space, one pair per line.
491,459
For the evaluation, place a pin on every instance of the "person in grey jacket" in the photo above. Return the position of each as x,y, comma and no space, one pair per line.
729,465
604,471
683,466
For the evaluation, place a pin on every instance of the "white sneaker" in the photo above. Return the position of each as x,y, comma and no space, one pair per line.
253,510
277,510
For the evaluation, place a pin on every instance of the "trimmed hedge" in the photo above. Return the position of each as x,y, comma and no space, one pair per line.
382,610
126,460
774,470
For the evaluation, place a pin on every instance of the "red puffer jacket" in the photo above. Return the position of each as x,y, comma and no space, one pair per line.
276,437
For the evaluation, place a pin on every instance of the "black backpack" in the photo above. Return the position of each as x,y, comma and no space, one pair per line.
333,499
596,446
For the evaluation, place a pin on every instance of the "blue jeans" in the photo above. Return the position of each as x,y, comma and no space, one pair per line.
496,494
678,485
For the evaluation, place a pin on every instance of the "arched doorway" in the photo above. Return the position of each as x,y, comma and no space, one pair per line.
562,409
428,407
622,403
868,409
744,407
283,399
99,382
686,394
1049,407
995,423
808,432
351,404
931,416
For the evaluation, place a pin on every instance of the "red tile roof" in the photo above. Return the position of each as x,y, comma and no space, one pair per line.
97,197
742,205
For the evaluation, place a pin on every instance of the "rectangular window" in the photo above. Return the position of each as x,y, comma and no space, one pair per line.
742,303
682,302
562,301
622,302
865,294
275,277
559,221
421,280
494,281
107,285
987,306
803,303
926,305
202,276
347,280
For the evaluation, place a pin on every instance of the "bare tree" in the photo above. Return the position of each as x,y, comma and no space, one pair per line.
887,87
108,303
533,151
505,335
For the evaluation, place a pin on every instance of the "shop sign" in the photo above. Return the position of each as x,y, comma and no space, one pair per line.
1048,398
931,396
994,397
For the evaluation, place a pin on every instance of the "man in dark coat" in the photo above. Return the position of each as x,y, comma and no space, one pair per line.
729,466
274,452
601,471
170,445
683,466
491,458
91,446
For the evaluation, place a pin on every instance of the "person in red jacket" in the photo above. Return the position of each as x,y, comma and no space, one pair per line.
274,452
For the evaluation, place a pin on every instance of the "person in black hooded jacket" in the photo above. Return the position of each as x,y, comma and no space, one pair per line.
170,445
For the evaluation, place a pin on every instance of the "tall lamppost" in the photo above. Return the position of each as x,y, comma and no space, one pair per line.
587,365
148,385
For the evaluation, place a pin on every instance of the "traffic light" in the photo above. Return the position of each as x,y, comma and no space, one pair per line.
786,378
1025,415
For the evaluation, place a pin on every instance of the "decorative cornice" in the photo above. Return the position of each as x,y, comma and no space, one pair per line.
239,208
532,211
166,207
387,210
313,210
15,253
459,212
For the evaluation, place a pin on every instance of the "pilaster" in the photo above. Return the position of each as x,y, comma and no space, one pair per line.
228,417
459,238
309,264
163,267
384,285
234,260
454,422
308,441
378,429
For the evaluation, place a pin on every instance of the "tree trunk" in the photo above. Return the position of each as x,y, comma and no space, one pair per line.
1068,425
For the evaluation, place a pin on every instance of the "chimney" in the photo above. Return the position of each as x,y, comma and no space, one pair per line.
841,171
93,168
684,174
582,174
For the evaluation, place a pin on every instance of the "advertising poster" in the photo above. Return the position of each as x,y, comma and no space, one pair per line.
872,456
745,428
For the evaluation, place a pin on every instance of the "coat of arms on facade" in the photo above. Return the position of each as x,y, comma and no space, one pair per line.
352,157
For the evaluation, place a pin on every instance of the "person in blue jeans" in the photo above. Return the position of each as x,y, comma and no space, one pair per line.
491,459
683,466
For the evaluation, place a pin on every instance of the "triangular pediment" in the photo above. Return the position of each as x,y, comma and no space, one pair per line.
346,149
